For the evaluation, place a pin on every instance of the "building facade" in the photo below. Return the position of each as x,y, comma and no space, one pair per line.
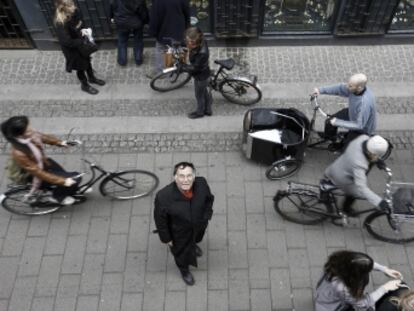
29,24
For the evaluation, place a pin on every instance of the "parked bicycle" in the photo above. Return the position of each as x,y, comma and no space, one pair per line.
239,90
120,185
296,132
303,204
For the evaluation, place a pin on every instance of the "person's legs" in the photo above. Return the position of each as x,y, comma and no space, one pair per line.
159,60
208,99
61,192
84,83
91,76
347,205
123,36
138,45
200,90
330,130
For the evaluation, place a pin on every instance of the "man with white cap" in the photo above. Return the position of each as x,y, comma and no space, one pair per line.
360,116
349,171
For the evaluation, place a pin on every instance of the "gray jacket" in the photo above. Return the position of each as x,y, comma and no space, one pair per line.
361,110
348,172
334,295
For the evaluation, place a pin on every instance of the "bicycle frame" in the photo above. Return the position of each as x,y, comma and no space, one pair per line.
94,168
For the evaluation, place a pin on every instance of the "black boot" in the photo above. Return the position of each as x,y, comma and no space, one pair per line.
96,81
85,86
187,277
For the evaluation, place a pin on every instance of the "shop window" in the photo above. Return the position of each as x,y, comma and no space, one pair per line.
298,15
404,16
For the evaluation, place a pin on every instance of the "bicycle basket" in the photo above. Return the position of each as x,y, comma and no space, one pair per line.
403,201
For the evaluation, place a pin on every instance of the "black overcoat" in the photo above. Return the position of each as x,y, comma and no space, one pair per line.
70,39
129,14
179,219
169,19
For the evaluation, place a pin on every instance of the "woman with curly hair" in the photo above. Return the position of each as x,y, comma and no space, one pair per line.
342,286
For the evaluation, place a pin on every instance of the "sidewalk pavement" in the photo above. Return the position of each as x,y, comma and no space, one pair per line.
101,255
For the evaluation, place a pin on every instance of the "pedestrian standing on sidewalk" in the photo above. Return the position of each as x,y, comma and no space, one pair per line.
360,116
182,211
129,16
199,68
342,285
168,20
70,30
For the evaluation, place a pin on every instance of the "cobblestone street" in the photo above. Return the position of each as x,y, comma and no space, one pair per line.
102,255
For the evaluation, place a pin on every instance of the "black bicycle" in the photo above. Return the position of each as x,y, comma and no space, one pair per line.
120,185
238,89
308,204
290,159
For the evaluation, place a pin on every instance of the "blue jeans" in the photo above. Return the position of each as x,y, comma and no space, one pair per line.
123,36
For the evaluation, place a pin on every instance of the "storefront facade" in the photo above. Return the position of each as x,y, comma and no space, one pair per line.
30,23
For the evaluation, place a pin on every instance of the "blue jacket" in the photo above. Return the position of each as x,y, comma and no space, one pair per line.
362,111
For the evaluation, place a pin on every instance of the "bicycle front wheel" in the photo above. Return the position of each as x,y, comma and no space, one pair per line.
171,80
16,202
301,208
129,184
282,169
240,91
390,228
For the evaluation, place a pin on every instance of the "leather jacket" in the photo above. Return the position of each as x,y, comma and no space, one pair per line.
28,161
199,62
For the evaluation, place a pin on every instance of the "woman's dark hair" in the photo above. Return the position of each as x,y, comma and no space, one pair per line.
14,127
194,34
352,268
183,165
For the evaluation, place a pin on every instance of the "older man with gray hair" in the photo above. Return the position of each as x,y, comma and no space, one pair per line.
360,116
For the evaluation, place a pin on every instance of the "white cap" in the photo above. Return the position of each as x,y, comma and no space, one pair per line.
377,145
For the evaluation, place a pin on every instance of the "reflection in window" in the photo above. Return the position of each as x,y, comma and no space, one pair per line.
200,14
298,15
404,16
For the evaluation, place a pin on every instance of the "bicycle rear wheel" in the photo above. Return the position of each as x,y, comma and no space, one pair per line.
171,80
240,91
128,185
283,168
395,229
16,202
301,208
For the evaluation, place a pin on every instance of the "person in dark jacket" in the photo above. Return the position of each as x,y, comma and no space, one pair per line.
182,211
168,19
200,70
70,30
129,17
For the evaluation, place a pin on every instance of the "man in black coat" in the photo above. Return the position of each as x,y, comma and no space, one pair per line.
168,19
182,211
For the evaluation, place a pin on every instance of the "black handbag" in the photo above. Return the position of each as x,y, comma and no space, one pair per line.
87,47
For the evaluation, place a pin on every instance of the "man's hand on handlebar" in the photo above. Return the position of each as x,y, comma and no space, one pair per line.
315,92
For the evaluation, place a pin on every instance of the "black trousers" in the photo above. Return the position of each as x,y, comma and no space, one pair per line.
82,76
60,192
332,131
198,237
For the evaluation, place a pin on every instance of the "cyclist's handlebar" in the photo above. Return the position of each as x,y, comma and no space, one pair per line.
314,100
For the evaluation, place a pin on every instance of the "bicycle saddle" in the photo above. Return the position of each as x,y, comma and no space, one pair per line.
327,185
226,63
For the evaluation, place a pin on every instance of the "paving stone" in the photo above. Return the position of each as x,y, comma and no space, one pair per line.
277,250
217,232
81,218
254,197
42,304
131,302
22,294
92,274
48,279
197,294
261,299
116,253
157,254
67,292
120,220
111,294
236,213
8,271
39,226
14,240
281,289
98,235
31,257
220,202
218,300
302,299
258,268
316,247
256,231
89,303
154,298
217,269
237,249
56,239
239,289
134,275
74,254
299,268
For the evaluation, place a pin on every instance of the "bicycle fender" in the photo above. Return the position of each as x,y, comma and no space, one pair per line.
170,69
248,80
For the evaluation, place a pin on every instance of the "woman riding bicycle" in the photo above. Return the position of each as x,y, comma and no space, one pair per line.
27,152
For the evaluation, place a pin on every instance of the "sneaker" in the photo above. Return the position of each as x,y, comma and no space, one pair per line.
66,201
89,190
